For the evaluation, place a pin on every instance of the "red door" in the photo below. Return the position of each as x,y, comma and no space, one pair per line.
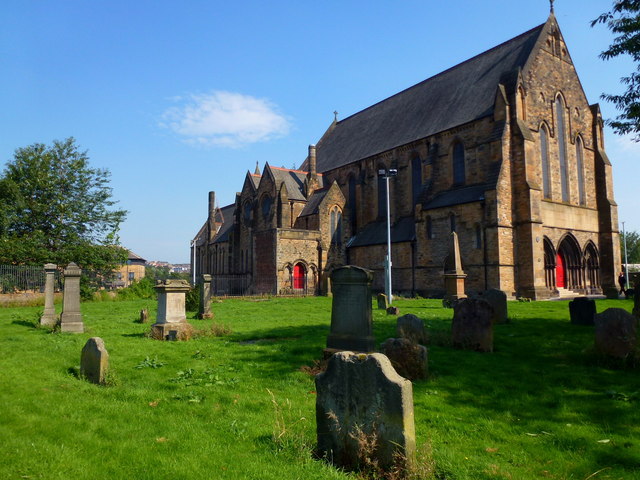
298,276
560,275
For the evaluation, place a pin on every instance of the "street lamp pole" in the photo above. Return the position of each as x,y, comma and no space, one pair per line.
386,174
626,265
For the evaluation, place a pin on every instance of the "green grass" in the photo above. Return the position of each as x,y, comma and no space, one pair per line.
540,406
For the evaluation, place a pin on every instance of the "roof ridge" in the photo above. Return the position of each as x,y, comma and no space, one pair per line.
446,71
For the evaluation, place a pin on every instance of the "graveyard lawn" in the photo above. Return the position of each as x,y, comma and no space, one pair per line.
241,405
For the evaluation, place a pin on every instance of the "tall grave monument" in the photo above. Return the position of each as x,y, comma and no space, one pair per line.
453,274
49,317
71,318
204,307
351,312
171,322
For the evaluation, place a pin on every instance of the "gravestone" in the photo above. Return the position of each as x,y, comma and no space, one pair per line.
49,317
412,328
453,274
393,310
94,361
472,327
408,358
171,322
71,318
498,301
616,333
351,312
383,304
361,398
636,302
144,315
582,311
204,308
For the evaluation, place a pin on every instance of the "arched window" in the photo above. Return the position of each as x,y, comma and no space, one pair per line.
580,167
352,202
452,222
458,164
562,149
382,197
246,211
521,105
544,162
429,228
336,226
416,178
266,206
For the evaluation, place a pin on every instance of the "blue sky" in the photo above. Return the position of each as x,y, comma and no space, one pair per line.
180,98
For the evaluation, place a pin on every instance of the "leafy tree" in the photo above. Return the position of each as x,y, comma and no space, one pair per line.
633,247
54,207
624,21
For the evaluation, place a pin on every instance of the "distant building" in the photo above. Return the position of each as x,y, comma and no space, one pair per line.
503,149
131,271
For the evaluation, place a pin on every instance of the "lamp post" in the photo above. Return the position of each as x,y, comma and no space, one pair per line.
387,173
626,266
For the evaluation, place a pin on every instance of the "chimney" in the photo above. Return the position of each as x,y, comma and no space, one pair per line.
312,160
311,183
211,219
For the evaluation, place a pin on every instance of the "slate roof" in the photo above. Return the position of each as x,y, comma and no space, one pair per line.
462,94
458,196
312,205
375,233
293,179
227,219
135,258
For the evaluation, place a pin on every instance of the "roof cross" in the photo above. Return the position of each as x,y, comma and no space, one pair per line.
551,4
335,116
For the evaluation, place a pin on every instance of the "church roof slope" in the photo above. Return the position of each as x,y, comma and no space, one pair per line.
454,97
227,218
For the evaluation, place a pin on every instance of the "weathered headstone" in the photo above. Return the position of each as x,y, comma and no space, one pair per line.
616,333
383,304
393,310
144,315
636,302
71,318
171,322
49,317
94,361
582,311
412,328
408,358
204,308
472,327
453,274
351,312
498,301
361,398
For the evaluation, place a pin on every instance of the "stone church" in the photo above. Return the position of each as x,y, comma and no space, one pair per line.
504,149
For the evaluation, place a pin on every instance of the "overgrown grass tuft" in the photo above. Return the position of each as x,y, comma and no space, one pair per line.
241,405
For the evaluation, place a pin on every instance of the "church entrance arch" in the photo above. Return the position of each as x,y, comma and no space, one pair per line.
549,264
569,266
299,276
560,272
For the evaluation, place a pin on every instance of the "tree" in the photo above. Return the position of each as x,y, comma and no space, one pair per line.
55,208
633,246
624,21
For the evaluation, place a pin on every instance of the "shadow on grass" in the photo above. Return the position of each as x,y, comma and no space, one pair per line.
135,335
26,323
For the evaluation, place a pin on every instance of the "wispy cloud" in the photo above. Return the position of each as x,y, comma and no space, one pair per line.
627,144
225,119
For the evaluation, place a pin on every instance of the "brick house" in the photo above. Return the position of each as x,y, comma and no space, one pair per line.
503,148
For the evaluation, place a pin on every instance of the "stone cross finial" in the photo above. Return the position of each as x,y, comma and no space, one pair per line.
335,116
551,5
